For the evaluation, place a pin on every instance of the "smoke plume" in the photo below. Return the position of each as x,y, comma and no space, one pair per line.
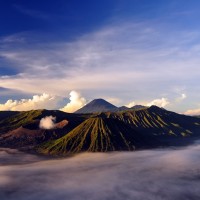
47,122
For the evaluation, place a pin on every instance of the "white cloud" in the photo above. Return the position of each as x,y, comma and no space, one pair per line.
44,101
131,55
37,102
181,98
159,102
47,122
131,104
76,102
193,112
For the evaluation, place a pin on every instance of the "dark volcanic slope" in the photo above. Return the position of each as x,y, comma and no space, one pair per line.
97,105
32,117
5,114
22,129
148,127
137,107
97,134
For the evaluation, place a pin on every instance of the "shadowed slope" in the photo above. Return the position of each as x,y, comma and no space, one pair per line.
157,121
22,129
97,134
6,114
129,130
31,119
101,131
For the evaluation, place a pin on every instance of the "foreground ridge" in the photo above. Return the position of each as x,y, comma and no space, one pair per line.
128,130
119,129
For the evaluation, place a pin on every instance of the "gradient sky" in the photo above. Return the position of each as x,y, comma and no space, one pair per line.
126,51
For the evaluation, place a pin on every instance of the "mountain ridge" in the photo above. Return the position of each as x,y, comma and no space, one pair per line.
130,130
22,128
127,129
101,105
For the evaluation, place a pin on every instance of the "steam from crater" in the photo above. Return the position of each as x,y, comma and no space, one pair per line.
47,122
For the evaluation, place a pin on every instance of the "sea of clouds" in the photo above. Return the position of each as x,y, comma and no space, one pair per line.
150,174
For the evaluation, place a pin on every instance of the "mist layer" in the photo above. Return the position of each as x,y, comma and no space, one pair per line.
150,175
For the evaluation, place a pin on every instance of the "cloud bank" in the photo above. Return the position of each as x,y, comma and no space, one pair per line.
131,104
47,122
45,101
76,102
193,112
37,102
165,174
163,102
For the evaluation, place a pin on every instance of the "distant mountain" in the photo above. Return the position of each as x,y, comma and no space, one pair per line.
97,105
136,107
129,130
101,105
124,108
119,109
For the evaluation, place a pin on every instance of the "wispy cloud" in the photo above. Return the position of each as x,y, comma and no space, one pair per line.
193,112
15,38
181,98
136,58
31,12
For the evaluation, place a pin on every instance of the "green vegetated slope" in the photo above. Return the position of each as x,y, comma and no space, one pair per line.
32,117
95,134
128,130
19,119
22,128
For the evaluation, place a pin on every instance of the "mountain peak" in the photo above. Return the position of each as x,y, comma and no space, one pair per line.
99,100
97,105
154,107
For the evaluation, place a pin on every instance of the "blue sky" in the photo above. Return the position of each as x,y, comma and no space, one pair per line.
126,51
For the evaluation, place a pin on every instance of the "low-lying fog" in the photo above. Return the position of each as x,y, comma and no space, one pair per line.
150,175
